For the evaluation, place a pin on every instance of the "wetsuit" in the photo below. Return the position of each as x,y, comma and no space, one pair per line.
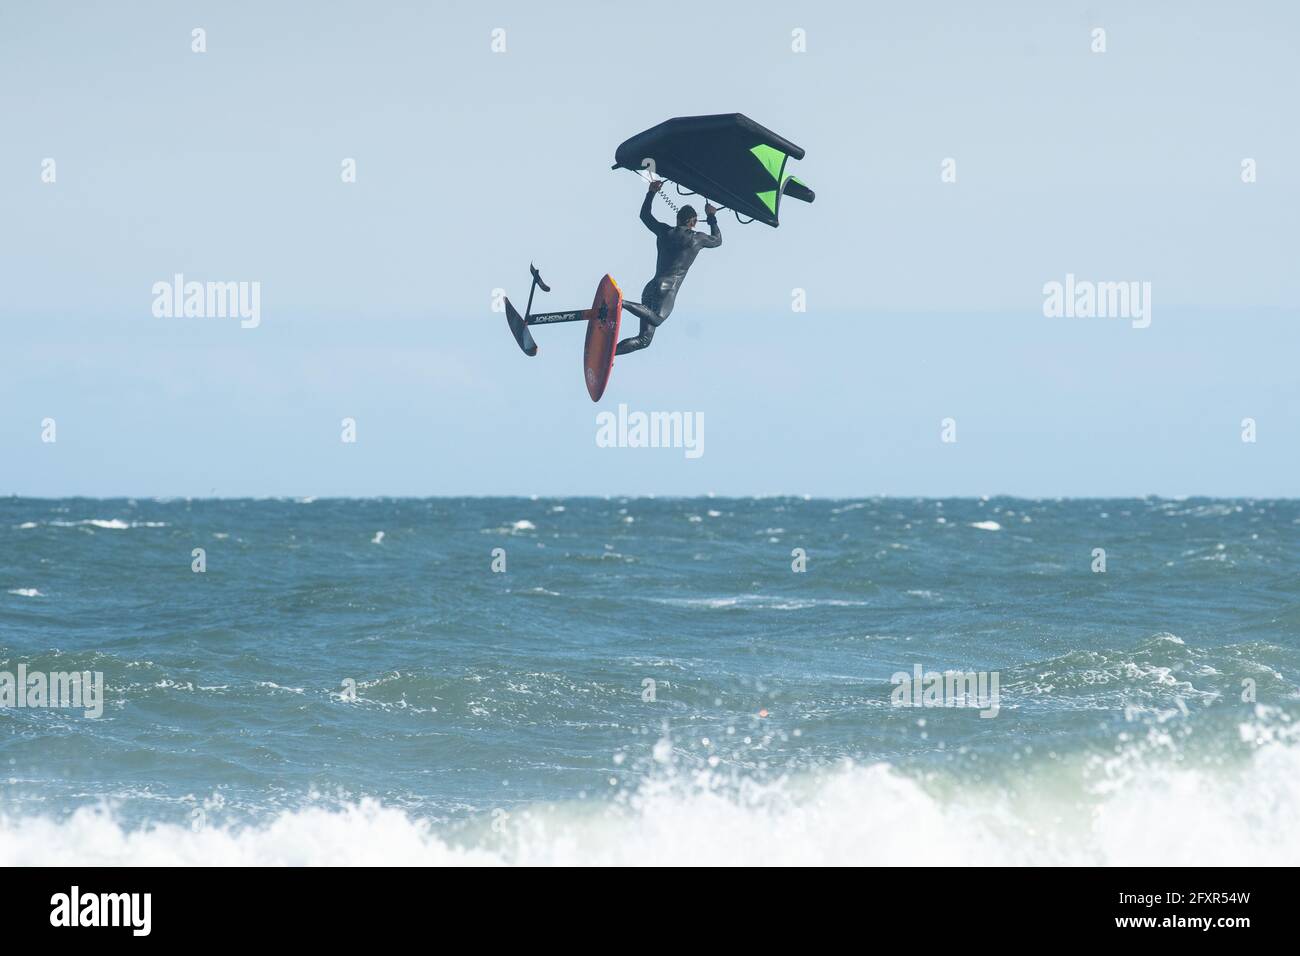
678,247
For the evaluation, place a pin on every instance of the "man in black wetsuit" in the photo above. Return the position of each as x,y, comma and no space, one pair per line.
677,250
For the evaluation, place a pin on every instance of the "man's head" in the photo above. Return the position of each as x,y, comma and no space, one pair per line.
686,216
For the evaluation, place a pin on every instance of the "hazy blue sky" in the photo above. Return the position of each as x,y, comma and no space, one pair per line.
924,298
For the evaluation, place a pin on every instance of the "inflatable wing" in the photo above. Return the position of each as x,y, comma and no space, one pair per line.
727,158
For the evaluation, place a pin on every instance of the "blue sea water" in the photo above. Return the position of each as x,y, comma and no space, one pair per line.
651,681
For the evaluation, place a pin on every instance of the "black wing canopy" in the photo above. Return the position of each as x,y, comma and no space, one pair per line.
726,158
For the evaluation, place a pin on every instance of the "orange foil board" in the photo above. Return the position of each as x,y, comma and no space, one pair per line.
602,337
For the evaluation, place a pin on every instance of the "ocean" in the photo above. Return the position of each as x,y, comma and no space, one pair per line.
650,681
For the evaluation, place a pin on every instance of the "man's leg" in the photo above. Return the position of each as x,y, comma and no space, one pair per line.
637,342
642,312
649,316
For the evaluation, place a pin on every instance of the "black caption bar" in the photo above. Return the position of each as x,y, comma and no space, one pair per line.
134,906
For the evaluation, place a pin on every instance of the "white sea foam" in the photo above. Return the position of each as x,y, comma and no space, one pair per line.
111,524
761,602
850,815
114,524
272,685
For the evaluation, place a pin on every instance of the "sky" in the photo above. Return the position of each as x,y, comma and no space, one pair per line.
924,297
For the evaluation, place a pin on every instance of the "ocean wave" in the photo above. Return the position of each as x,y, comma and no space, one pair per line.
848,815
109,524
760,602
